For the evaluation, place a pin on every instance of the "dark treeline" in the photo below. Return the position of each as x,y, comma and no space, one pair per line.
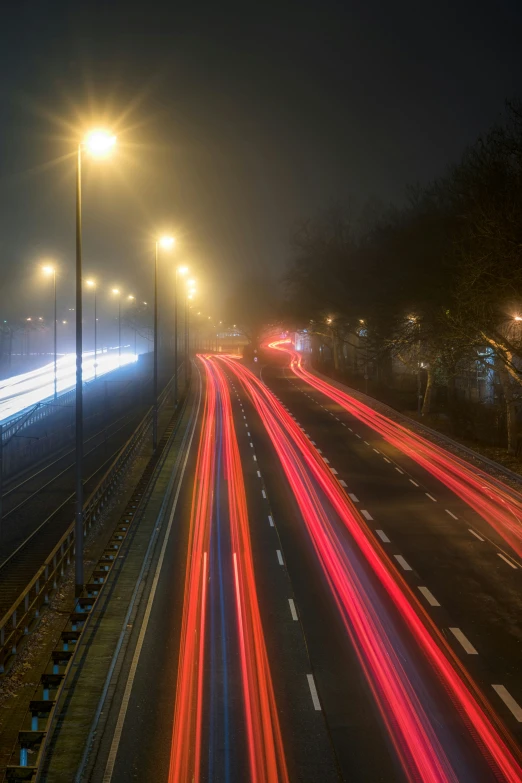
424,300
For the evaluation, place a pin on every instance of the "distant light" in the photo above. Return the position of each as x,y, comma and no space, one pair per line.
40,318
209,318
328,320
64,322
518,317
182,270
48,270
166,242
130,296
99,142
115,290
90,283
361,320
144,303
28,319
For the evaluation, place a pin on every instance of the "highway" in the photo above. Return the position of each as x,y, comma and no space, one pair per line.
20,392
335,599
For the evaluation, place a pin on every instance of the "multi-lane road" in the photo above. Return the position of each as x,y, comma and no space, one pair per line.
335,598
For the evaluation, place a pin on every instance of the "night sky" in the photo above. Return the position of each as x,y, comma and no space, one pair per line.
233,121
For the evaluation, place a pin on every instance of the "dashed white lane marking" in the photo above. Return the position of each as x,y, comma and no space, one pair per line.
333,470
414,483
246,425
248,434
382,535
312,442
377,451
450,513
271,521
251,445
400,471
366,515
513,706
259,473
402,562
350,429
338,419
292,609
505,559
343,483
263,493
279,557
255,458
313,692
430,497
357,435
344,425
319,451
464,641
475,534
428,595
387,460
326,460
352,497
244,416
366,442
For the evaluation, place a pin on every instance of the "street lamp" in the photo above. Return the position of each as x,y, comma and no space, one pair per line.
180,270
165,243
51,270
116,292
132,298
92,284
98,143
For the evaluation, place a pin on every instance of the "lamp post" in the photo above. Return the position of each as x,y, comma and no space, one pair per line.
180,270
97,143
92,284
51,270
116,292
133,299
165,243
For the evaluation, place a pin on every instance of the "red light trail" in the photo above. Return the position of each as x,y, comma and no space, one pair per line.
424,755
263,734
489,497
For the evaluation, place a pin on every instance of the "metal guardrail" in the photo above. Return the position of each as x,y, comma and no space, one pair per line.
434,434
34,736
24,614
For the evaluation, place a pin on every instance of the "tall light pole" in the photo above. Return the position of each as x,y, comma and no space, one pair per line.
165,243
191,292
92,284
51,270
97,143
180,270
116,292
133,299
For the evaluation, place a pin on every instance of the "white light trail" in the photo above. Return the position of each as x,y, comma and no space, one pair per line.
23,391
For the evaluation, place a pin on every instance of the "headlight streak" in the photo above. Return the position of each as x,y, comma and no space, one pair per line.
265,747
23,391
489,497
408,725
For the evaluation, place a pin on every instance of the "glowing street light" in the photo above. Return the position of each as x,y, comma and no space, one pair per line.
518,317
99,142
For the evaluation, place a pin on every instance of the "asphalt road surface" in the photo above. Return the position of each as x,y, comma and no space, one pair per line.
324,607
